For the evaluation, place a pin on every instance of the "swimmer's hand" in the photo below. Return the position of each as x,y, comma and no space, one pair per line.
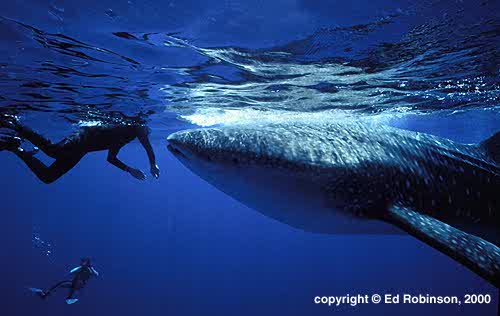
136,173
155,171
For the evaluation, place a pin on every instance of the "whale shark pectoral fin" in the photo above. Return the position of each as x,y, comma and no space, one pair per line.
473,252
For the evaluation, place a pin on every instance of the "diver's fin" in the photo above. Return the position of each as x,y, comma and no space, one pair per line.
35,290
70,301
473,252
492,146
41,293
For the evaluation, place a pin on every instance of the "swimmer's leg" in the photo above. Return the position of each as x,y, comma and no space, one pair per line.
49,174
75,286
44,294
50,149
9,143
71,292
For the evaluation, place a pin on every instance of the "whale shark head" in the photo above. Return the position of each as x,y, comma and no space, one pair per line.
285,171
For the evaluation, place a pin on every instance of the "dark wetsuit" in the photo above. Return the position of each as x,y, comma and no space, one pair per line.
81,276
68,152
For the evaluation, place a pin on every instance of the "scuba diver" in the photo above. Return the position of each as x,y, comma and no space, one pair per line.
68,152
81,275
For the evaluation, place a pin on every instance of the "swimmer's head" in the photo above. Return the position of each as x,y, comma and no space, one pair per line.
85,262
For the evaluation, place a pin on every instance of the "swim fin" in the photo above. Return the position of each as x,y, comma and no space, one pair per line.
35,290
70,301
38,292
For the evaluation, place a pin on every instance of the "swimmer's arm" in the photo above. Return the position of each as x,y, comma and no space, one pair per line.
94,271
76,269
144,139
113,159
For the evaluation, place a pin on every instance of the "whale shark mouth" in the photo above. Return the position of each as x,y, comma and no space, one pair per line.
176,151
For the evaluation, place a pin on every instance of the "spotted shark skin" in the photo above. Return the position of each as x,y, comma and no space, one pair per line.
366,178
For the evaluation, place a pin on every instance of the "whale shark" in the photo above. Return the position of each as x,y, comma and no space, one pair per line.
359,178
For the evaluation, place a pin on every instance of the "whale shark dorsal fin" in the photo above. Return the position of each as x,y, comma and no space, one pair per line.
492,146
473,252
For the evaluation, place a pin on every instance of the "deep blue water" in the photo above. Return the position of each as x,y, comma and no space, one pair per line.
178,246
